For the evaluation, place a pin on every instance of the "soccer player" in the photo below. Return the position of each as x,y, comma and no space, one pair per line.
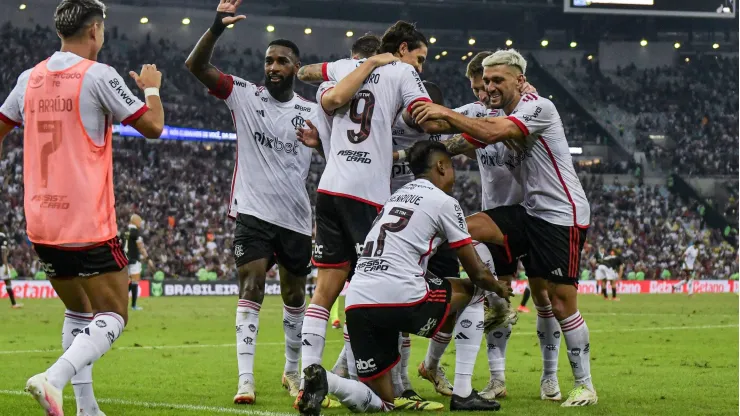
356,181
502,191
133,246
553,218
612,268
687,268
269,200
390,292
6,270
67,105
601,271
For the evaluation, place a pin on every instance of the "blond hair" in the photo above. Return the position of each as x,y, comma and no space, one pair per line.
509,57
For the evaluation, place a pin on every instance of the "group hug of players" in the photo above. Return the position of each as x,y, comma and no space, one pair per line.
384,216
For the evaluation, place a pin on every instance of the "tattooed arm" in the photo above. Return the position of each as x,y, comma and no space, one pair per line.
311,74
458,145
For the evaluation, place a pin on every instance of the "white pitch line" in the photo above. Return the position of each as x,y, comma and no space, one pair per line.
519,333
155,405
673,314
157,347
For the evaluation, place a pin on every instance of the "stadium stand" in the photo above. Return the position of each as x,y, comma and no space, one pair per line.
181,188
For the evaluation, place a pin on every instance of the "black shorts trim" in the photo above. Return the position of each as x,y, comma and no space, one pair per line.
256,239
509,220
88,261
373,328
555,250
342,224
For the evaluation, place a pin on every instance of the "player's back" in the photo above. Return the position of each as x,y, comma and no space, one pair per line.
68,171
413,223
359,164
130,239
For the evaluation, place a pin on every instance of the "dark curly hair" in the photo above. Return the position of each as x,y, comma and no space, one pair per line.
399,33
72,16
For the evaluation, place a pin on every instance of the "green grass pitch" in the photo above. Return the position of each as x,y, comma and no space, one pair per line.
651,355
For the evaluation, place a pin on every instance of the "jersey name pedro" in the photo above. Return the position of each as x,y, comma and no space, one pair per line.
359,163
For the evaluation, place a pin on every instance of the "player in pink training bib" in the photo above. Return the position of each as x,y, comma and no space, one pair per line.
67,105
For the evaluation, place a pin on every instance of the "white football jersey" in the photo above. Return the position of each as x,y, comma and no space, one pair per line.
500,168
271,164
361,157
689,257
324,118
404,136
104,97
413,223
552,190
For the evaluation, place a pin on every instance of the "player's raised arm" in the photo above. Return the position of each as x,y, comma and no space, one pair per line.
151,123
312,74
345,89
199,60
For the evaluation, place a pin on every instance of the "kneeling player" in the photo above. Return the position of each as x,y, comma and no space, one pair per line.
390,292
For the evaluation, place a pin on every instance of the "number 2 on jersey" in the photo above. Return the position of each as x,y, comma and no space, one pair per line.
364,118
55,128
389,227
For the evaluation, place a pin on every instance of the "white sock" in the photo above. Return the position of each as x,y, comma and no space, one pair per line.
356,396
404,367
575,333
350,356
292,326
75,323
548,331
313,335
437,346
247,326
497,341
468,335
341,365
398,387
690,286
86,348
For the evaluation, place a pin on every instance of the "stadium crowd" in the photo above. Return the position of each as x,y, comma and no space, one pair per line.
693,103
181,189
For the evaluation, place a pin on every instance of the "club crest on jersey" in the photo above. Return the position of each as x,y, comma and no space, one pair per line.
298,121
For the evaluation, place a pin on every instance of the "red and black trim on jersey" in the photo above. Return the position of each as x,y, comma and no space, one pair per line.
472,140
224,86
7,120
135,116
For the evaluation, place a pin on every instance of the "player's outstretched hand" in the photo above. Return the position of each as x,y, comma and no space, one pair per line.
309,136
230,6
383,59
423,111
148,78
515,146
503,289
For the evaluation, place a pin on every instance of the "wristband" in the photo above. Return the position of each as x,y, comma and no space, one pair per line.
401,155
218,26
151,91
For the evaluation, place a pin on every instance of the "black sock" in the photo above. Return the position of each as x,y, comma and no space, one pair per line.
614,291
9,289
134,293
603,292
525,296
